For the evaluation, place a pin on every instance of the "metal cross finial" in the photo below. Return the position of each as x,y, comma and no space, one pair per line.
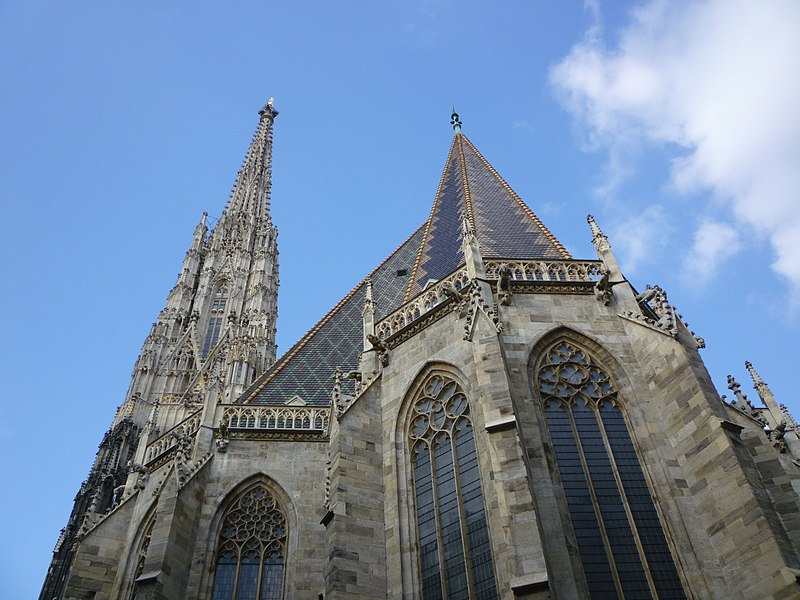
455,121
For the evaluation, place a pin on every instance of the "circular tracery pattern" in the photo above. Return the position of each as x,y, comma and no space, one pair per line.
567,375
441,404
250,556
254,518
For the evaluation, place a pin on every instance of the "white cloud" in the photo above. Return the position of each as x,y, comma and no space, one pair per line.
718,83
639,237
713,244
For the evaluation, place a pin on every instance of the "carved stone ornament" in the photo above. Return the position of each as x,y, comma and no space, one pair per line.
141,475
776,437
478,305
602,289
504,284
222,438
380,347
653,300
743,404
339,400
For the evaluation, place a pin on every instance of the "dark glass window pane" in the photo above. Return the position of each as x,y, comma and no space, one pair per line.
477,532
620,537
247,588
596,567
450,521
212,334
426,522
651,534
224,577
272,577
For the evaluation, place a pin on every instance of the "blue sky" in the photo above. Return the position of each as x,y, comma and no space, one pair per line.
675,124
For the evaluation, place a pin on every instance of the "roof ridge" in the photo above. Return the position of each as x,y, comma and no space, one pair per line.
519,200
276,368
465,180
413,277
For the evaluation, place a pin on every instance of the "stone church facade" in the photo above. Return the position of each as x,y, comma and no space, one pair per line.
482,416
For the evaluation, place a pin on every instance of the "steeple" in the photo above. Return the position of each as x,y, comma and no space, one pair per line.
215,333
251,192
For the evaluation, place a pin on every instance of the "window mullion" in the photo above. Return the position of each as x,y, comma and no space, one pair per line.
438,517
595,504
626,505
236,573
438,520
462,519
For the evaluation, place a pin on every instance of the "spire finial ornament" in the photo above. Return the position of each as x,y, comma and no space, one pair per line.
599,239
455,121
760,384
268,110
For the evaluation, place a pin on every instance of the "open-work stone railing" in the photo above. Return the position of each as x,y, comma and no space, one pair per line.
421,304
185,429
277,418
546,270
519,270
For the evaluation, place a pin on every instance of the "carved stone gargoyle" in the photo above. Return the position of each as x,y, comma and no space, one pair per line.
380,347
602,289
460,299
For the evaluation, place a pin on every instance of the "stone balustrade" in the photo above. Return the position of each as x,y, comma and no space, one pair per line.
186,428
277,418
520,270
546,270
421,304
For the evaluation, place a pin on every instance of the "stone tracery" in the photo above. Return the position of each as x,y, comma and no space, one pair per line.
251,553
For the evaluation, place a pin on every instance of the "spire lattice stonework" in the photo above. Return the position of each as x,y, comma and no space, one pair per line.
216,332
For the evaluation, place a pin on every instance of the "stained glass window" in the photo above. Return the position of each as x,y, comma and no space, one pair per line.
455,558
622,545
252,549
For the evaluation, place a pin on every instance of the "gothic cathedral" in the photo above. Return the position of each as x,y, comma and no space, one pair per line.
483,416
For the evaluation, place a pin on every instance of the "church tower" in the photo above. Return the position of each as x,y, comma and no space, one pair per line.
483,416
216,332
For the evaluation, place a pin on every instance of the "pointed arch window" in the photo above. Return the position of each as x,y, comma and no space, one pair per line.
455,557
216,317
251,552
620,539
141,557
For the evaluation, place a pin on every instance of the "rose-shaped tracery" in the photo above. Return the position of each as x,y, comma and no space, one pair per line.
251,551
568,376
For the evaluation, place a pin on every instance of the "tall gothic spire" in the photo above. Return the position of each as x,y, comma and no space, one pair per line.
251,192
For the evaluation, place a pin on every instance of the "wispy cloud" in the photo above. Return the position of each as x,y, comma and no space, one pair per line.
713,244
716,82
639,237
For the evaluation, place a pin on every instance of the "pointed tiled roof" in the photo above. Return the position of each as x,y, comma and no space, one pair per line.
306,370
504,225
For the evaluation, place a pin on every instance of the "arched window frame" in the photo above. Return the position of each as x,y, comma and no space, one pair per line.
605,404
218,308
220,542
409,419
138,554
